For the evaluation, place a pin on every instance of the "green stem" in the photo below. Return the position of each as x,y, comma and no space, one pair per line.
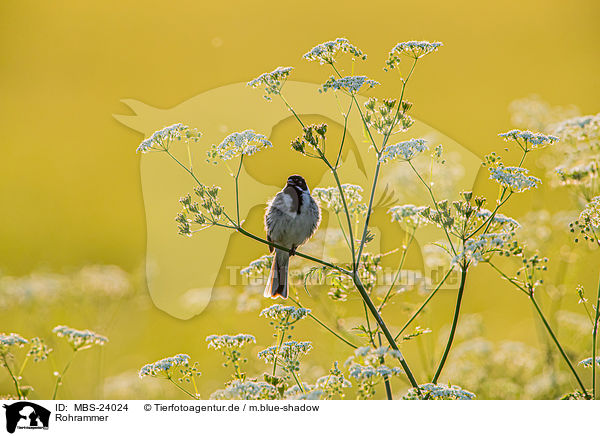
23,365
594,342
337,160
281,332
560,348
191,173
368,322
412,237
291,109
386,332
298,382
181,388
386,380
62,374
310,315
337,215
368,217
488,221
420,309
512,281
463,280
13,377
430,191
353,97
237,196
547,326
347,213
404,82
281,247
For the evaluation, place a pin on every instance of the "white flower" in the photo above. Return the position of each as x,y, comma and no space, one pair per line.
499,222
408,214
578,128
413,49
279,312
161,139
227,341
349,83
384,115
368,372
272,82
432,391
475,249
405,150
288,353
536,140
333,380
333,200
587,363
163,366
514,178
79,339
327,52
258,266
591,213
246,390
10,340
236,144
581,174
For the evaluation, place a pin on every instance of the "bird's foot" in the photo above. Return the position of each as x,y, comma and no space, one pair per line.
293,251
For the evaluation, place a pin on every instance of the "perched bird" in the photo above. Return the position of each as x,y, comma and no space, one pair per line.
291,218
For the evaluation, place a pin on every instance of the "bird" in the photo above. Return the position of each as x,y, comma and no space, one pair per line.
291,218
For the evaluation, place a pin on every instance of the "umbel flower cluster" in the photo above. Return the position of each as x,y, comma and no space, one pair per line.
312,139
587,226
514,178
432,391
576,164
226,341
530,140
411,49
384,116
15,361
79,339
230,348
238,144
162,139
409,215
405,150
327,52
11,340
351,84
271,82
163,367
331,199
207,211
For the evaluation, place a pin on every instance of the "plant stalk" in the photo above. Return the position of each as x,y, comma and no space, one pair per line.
461,289
594,342
560,348
386,332
13,377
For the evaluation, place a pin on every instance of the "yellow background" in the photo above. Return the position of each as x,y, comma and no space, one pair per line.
70,189
69,176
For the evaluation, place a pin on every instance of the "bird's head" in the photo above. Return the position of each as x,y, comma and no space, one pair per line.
297,181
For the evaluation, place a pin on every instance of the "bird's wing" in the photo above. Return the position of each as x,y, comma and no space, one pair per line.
286,201
295,201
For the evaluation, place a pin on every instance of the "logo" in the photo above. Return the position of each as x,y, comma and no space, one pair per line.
26,415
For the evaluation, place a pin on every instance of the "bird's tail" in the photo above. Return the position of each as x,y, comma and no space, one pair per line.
278,279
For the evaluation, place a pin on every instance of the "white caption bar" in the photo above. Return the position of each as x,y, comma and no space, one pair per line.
297,417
